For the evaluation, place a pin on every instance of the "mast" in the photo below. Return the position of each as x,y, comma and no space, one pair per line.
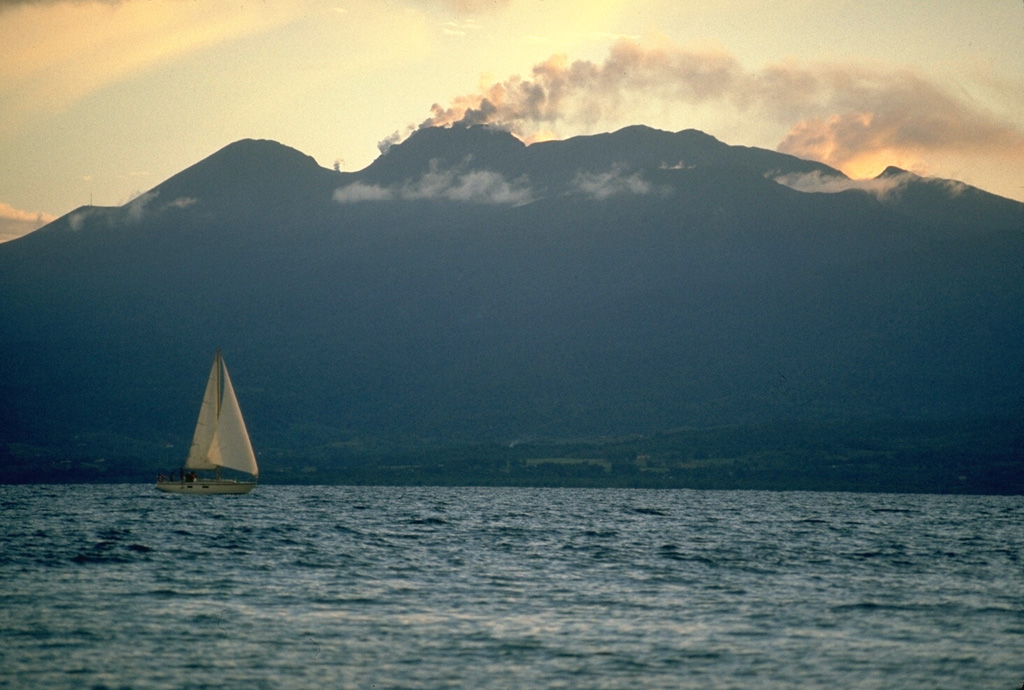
220,380
220,393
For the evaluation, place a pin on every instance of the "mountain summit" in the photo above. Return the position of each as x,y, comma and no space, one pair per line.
466,286
553,165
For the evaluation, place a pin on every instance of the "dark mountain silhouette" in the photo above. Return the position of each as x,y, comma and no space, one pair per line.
466,287
552,166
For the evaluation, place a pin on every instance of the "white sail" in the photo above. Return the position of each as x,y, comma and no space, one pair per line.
206,426
231,447
221,439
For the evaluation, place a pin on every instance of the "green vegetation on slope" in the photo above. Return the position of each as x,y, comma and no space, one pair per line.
978,456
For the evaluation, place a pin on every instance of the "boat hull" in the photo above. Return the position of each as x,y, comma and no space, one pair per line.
206,486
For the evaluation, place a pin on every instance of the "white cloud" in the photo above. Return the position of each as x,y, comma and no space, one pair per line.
76,221
134,212
15,222
611,183
476,187
883,186
137,209
489,187
459,28
8,212
358,191
473,187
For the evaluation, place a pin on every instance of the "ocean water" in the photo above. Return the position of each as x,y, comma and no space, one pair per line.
355,587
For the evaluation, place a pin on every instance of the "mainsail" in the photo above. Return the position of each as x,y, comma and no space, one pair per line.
220,439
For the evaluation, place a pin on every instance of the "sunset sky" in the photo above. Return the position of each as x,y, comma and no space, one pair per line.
102,100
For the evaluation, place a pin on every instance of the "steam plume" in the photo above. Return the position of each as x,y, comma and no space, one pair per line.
848,116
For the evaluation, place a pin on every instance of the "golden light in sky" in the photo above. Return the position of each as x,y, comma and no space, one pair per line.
97,44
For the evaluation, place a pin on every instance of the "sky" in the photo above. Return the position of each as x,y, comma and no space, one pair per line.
101,100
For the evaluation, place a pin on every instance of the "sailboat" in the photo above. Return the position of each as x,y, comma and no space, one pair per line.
220,440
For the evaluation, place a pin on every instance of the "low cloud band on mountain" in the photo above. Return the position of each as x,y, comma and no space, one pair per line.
881,186
490,187
476,186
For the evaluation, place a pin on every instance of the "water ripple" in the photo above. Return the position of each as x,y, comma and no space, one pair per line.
410,587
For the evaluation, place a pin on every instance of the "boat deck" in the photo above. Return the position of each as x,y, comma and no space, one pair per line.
206,486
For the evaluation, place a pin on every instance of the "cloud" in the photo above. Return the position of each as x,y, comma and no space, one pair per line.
390,140
14,222
855,117
459,28
611,183
78,219
143,205
8,212
583,92
477,187
869,119
821,183
489,187
883,186
139,209
357,192
182,202
136,209
471,187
